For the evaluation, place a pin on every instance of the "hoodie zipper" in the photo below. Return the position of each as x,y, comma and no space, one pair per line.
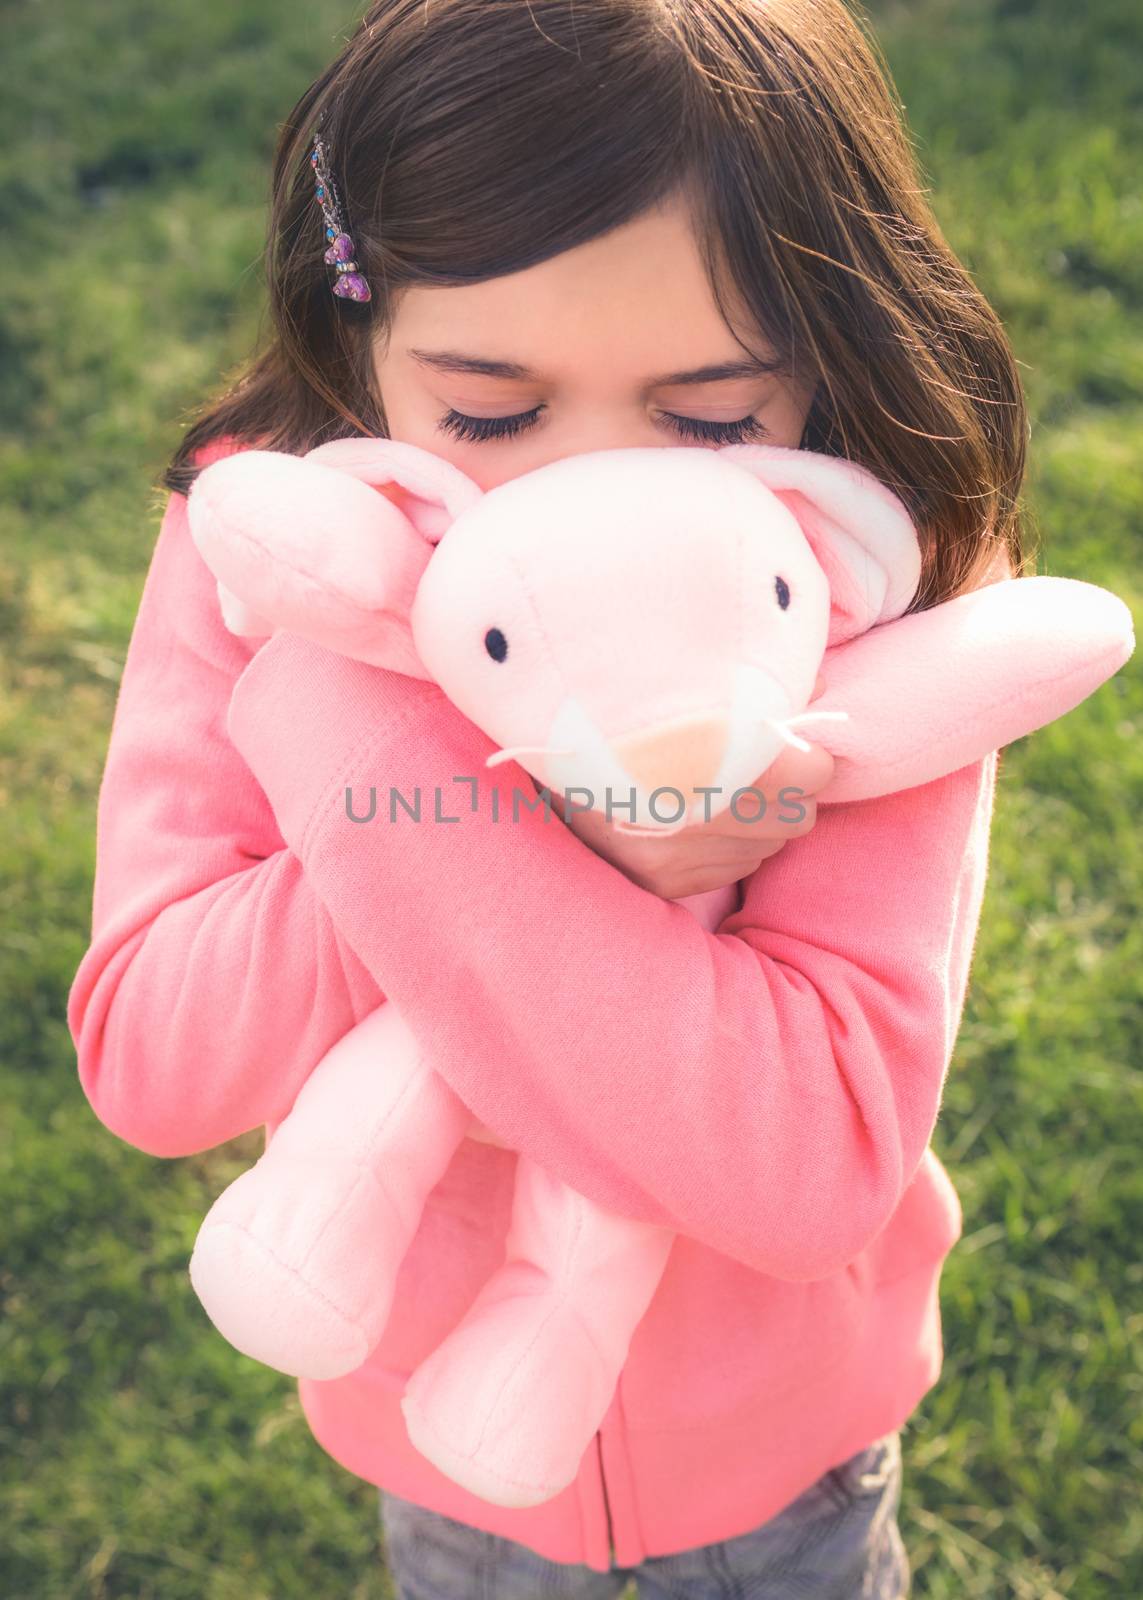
606,1502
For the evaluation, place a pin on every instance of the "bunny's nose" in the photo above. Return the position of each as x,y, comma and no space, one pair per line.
685,754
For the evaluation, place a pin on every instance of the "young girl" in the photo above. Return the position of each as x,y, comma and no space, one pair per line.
574,225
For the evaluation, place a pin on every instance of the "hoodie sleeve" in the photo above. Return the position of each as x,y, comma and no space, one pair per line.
768,1089
214,978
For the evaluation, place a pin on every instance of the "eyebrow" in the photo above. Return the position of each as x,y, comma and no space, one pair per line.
718,372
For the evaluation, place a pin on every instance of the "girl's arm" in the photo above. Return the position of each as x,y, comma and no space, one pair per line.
215,979
768,1089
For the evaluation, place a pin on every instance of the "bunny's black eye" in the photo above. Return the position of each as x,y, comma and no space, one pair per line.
782,590
496,644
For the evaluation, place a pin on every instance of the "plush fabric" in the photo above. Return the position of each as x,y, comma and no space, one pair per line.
765,1087
622,621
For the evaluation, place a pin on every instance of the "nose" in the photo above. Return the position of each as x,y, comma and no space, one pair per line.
685,754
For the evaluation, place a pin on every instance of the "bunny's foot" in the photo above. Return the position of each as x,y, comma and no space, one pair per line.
296,1262
300,1276
509,1402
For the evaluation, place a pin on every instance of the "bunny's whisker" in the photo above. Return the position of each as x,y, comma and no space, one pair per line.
512,751
783,732
783,729
818,716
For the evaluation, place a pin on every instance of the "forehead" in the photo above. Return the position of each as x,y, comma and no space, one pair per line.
636,300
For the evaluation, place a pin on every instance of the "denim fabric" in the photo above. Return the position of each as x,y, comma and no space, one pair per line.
838,1540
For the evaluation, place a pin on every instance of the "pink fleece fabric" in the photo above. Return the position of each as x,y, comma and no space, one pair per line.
766,1090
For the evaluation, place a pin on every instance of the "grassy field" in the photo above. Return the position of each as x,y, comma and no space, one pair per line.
140,1456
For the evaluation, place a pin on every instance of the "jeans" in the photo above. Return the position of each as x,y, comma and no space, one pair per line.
839,1540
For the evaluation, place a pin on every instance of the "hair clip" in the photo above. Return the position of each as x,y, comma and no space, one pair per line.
349,283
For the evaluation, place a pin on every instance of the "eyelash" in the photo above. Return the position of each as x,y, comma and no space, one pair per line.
479,429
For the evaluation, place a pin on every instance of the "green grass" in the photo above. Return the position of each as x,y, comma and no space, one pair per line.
141,1457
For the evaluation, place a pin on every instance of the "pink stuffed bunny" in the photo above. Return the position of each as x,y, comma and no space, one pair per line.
624,622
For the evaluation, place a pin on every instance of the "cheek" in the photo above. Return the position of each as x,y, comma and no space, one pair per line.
411,417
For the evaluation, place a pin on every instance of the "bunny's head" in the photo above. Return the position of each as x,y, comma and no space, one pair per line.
626,620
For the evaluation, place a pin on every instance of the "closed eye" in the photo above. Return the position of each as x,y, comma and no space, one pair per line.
479,429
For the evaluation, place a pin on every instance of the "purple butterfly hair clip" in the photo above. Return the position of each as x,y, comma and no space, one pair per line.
349,283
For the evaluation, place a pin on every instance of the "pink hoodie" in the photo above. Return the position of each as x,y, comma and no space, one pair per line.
767,1091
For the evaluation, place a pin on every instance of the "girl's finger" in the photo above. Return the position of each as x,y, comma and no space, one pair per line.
786,818
809,770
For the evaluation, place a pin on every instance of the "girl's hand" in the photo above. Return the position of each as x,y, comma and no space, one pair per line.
707,855
710,855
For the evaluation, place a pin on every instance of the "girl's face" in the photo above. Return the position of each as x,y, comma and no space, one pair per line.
607,346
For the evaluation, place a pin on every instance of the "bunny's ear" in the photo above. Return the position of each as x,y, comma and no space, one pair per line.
331,545
430,491
860,532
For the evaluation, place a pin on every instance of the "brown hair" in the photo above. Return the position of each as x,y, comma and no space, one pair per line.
474,138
